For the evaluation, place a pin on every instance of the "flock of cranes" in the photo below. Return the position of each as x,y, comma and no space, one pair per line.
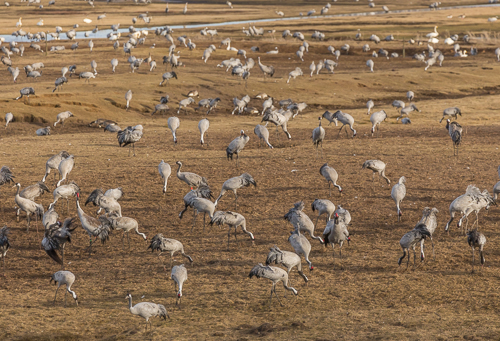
200,197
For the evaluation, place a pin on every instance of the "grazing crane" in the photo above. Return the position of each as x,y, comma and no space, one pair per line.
455,132
294,74
331,177
407,110
65,167
4,244
301,246
370,64
345,119
203,127
429,219
50,216
179,275
167,76
287,259
376,118
275,275
263,134
65,192
266,70
33,191
410,95
279,119
64,277
28,206
201,192
476,239
162,244
26,92
114,64
318,135
233,220
236,146
55,238
98,228
369,105
126,225
53,163
376,166
233,184
128,98
184,103
63,116
336,233
410,240
202,205
323,206
451,112
43,131
147,310
130,135
300,221
173,124
59,83
87,76
105,201
165,171
191,179
8,118
398,193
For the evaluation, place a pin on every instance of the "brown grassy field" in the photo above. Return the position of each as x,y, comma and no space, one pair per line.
363,296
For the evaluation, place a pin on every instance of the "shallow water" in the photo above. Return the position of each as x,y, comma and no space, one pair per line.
103,33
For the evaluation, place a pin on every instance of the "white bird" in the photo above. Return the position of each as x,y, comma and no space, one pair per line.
370,64
318,135
91,45
8,118
203,126
87,20
64,277
165,171
40,23
63,116
263,134
128,98
433,34
147,310
114,64
376,118
179,276
369,105
398,193
173,124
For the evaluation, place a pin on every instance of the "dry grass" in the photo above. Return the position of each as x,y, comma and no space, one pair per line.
364,296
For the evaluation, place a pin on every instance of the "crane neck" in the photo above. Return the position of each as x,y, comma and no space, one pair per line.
179,169
130,302
18,189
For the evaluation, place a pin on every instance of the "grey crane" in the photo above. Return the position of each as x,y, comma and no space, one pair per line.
300,221
201,192
451,112
114,64
173,124
267,104
476,239
398,104
192,179
236,146
32,192
26,92
407,110
147,310
202,205
233,220
336,233
105,201
65,167
297,72
165,170
345,119
126,225
287,259
50,216
370,64
6,176
376,166
43,131
275,275
369,105
323,206
331,176
301,246
167,76
87,75
455,132
410,95
59,83
410,240
128,98
28,206
184,103
130,135
162,107
266,70
496,188
63,116
162,244
53,163
398,193
4,244
233,184
263,134
61,278
429,219
318,135
55,238
91,45
279,119
203,126
179,276
98,228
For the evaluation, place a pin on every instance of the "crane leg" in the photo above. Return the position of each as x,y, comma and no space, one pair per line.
128,238
29,220
133,145
433,254
67,204
271,298
65,294
62,254
204,216
56,295
330,188
3,261
228,237
316,223
473,259
123,241
171,260
194,220
274,289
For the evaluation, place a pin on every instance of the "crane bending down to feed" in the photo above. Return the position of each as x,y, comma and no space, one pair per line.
301,246
165,171
29,206
398,193
476,239
331,177
236,146
429,219
275,275
287,259
64,277
126,225
26,92
410,240
128,98
300,221
263,134
451,112
147,310
233,220
162,244
323,206
201,192
345,119
376,118
376,166
179,275
53,163
173,124
63,116
233,184
130,135
203,126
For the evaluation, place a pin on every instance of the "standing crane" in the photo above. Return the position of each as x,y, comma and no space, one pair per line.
323,206
398,193
4,244
263,134
237,145
192,179
376,166
429,219
65,167
266,70
287,259
126,225
376,118
65,192
165,171
275,275
410,240
318,135
130,135
128,98
455,132
301,246
476,239
53,163
300,221
201,192
233,184
28,206
233,220
336,233
179,275
64,277
331,177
